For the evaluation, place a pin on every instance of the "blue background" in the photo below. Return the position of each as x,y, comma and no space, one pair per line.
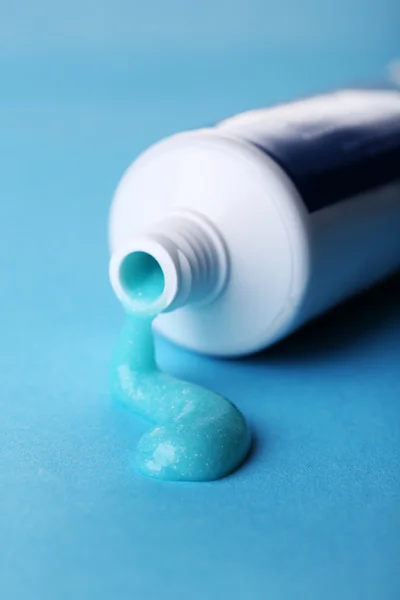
315,513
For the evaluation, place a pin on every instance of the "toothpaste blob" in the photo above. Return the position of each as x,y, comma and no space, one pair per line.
199,435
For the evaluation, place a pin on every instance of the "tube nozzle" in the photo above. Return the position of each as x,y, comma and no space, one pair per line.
181,260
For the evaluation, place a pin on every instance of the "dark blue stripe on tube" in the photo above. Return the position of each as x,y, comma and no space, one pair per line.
329,153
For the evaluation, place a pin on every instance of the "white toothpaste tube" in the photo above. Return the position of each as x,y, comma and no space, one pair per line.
257,225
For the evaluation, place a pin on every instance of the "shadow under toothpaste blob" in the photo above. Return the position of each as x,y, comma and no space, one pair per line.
199,435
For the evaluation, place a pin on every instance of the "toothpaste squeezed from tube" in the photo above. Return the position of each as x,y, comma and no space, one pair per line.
198,434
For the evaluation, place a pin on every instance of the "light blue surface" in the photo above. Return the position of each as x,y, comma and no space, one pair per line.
200,436
315,513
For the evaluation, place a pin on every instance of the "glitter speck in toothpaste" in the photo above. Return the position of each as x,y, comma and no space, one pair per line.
199,435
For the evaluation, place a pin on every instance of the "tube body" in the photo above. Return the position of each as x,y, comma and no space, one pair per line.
304,197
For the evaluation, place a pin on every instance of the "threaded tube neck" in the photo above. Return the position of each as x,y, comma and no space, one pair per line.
180,260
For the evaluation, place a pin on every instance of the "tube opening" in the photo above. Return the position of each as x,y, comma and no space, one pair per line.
142,278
